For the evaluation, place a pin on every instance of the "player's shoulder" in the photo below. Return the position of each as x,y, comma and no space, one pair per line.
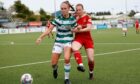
72,17
58,17
86,16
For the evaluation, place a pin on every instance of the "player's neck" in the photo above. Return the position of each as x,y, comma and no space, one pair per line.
82,15
66,16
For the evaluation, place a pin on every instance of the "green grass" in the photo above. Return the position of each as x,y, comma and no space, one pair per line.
115,68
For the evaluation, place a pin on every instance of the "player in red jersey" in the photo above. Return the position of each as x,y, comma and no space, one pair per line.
137,26
83,38
48,26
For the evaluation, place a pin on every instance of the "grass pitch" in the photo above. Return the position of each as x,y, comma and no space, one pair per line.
117,59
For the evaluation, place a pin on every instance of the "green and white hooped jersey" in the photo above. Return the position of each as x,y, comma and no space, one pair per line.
63,27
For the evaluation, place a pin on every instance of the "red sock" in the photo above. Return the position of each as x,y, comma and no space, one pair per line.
78,57
91,66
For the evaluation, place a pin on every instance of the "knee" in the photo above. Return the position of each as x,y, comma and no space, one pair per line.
54,61
75,48
67,60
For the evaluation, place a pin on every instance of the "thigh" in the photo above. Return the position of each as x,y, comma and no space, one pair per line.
90,54
76,45
67,54
56,52
88,43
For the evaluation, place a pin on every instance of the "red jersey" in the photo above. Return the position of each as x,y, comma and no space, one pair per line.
137,24
83,21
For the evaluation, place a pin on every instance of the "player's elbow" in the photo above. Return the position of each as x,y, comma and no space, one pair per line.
89,29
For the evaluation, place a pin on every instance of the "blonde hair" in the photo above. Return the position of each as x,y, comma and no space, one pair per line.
67,3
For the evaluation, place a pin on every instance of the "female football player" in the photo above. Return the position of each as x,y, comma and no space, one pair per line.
137,26
83,38
63,40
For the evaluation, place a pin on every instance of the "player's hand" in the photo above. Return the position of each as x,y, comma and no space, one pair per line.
75,30
79,27
38,41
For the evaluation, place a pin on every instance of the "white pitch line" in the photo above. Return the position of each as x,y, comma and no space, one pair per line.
13,66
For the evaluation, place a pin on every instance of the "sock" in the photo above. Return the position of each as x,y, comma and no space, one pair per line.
125,33
78,58
67,70
54,67
91,66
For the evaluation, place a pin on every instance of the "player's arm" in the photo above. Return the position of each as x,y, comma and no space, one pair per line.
44,34
79,28
88,28
75,25
47,32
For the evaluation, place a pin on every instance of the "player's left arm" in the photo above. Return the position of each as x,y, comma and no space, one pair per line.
88,26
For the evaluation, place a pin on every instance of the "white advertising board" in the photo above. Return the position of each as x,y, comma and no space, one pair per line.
15,31
3,31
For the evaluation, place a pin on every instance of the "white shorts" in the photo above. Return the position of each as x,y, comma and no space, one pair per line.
124,29
59,47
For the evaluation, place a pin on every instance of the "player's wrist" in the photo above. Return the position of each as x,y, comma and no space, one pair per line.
39,39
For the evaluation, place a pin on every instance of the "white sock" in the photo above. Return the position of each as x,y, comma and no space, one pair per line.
81,64
91,72
67,70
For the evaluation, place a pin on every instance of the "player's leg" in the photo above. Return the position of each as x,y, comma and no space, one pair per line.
125,33
138,30
75,48
67,66
90,55
89,46
57,50
54,59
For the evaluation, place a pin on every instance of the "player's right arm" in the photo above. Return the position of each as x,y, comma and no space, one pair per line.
44,34
48,31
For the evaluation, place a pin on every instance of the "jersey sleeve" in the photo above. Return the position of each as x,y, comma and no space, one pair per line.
55,22
89,20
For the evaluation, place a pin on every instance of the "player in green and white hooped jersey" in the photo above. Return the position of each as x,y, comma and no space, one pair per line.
64,23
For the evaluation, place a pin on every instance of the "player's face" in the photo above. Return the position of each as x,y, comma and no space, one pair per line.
79,10
64,9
